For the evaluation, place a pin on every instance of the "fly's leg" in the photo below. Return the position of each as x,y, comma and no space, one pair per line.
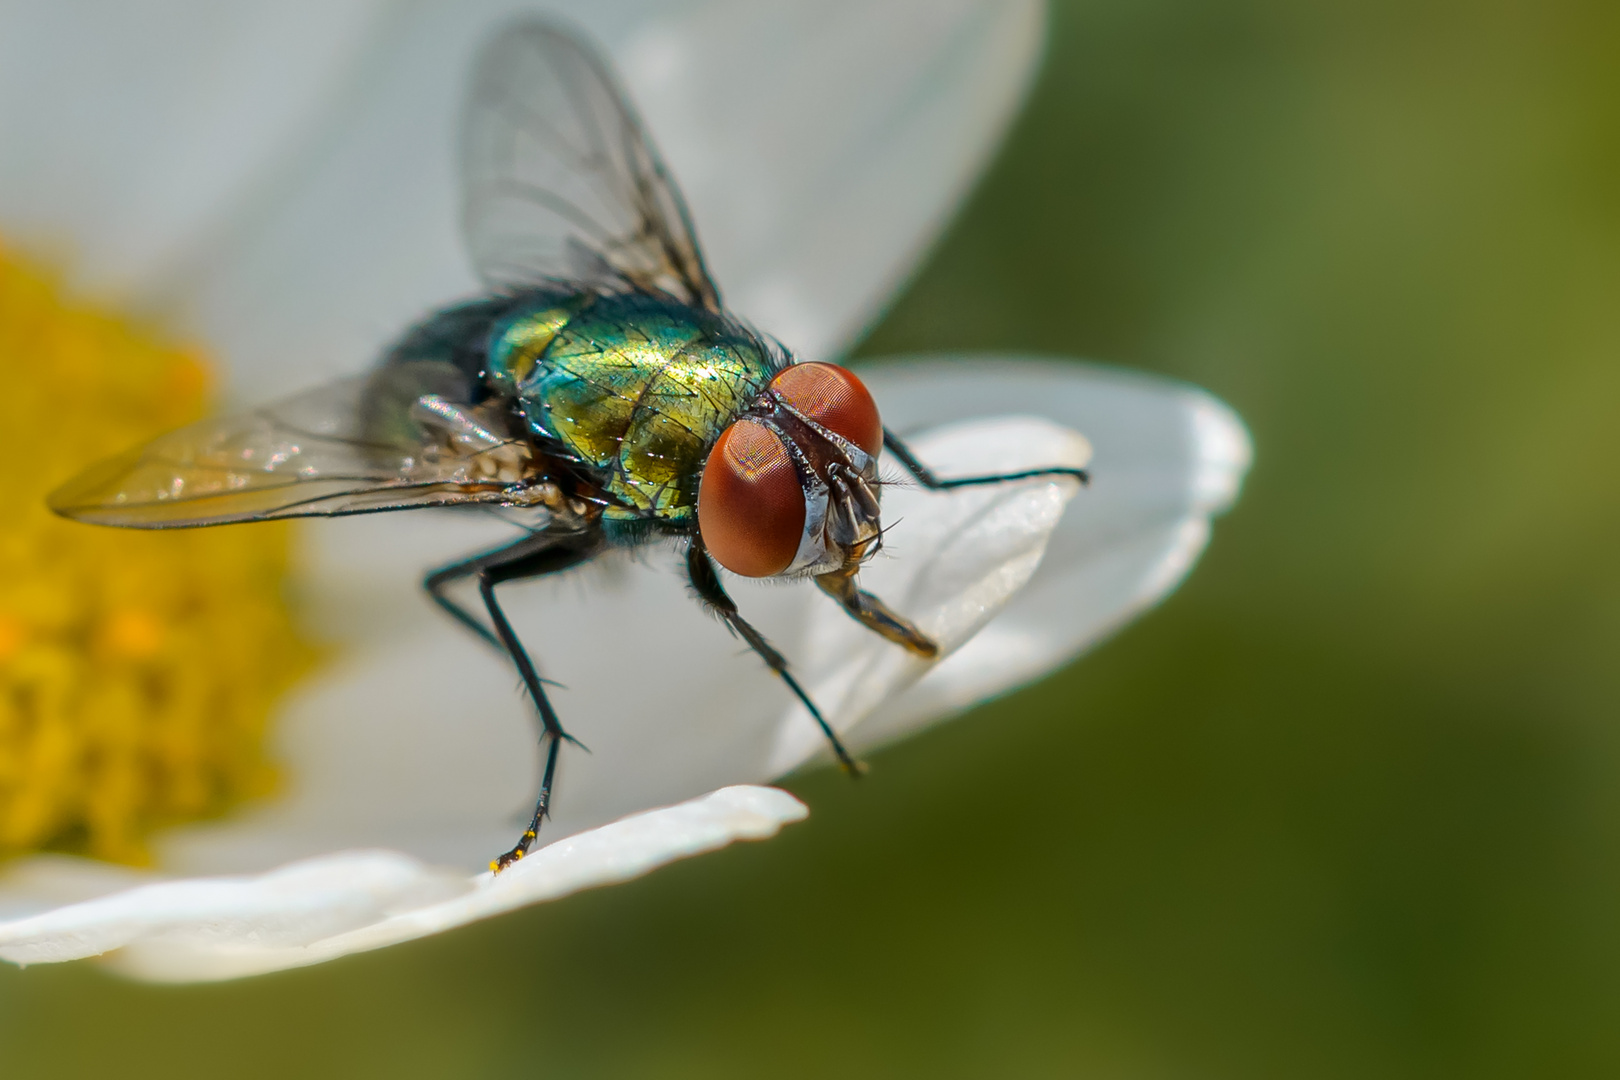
874,614
925,476
705,582
530,557
438,580
544,562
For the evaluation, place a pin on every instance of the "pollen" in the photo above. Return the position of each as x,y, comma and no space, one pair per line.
137,670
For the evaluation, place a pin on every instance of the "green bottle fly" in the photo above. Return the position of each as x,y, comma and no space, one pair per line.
599,394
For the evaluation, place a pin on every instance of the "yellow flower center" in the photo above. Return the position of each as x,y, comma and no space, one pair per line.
137,670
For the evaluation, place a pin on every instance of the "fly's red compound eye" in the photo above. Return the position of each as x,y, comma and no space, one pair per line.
750,504
834,398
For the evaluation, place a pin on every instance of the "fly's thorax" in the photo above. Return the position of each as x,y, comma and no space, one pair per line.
635,386
791,488
518,342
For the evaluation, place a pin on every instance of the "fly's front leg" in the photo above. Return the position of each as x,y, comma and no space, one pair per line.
874,614
925,476
706,583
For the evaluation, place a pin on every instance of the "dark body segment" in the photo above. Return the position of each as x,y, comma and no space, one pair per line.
443,354
637,387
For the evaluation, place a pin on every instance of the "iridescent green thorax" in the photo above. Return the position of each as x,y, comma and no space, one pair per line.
637,386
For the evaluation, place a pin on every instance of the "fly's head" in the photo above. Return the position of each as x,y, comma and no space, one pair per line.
790,488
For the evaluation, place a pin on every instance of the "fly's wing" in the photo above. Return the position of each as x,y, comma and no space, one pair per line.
321,453
560,181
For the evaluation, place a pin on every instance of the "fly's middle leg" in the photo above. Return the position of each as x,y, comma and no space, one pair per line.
872,612
925,476
522,560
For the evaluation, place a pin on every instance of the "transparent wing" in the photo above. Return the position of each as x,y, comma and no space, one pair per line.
560,181
357,446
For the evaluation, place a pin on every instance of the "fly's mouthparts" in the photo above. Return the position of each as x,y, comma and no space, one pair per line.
852,508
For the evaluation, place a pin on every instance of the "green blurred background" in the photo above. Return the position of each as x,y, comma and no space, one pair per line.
1345,806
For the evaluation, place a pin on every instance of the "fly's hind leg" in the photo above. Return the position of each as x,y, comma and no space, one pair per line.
438,580
531,557
925,476
705,582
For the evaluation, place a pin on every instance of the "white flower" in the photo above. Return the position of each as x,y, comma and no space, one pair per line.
280,180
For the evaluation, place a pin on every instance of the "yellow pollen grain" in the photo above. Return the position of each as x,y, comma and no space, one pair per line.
137,670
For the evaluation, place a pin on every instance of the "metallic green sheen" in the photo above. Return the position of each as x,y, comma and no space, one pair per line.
638,386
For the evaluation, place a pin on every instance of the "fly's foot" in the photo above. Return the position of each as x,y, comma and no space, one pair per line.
516,853
851,765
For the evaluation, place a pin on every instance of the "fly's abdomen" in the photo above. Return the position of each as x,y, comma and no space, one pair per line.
636,386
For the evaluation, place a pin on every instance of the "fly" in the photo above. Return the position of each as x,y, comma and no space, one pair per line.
600,390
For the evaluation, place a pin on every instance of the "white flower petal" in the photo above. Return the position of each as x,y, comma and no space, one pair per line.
326,907
290,906
129,130
39,883
821,146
